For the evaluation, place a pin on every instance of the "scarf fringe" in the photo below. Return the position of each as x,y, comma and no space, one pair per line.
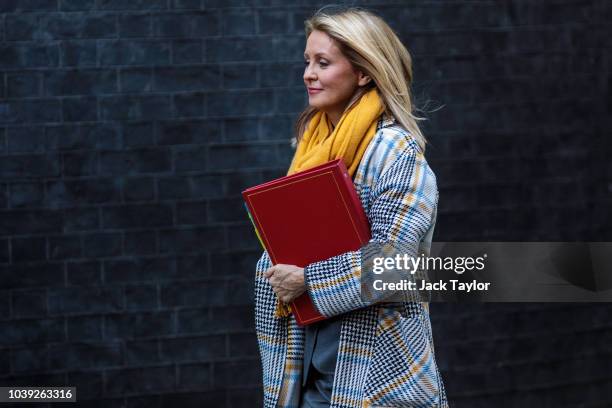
282,309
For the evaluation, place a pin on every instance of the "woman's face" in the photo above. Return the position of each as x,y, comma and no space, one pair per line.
329,76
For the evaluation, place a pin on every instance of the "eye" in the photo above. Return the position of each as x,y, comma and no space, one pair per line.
323,64
306,62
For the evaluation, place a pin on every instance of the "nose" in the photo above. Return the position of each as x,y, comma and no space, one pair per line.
309,74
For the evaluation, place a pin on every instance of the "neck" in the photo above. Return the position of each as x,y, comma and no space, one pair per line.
334,119
335,115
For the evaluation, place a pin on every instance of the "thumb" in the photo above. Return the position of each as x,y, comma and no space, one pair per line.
269,272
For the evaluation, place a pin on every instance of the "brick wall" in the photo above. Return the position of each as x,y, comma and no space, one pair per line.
128,130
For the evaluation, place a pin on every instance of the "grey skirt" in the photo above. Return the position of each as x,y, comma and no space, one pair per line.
320,356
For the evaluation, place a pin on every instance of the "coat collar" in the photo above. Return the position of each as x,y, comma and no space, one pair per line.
386,120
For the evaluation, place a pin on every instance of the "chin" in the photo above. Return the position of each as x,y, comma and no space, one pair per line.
317,104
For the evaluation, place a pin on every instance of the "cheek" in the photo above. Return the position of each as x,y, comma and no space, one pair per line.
341,82
334,78
344,89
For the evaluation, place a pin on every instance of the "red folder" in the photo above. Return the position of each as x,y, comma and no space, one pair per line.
307,217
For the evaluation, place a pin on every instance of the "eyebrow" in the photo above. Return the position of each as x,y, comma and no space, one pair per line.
318,54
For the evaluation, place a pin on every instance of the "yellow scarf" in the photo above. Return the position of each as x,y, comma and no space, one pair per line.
348,140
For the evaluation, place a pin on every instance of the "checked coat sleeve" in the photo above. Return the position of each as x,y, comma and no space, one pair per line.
401,207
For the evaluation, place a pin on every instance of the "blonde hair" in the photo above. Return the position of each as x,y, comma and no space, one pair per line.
373,48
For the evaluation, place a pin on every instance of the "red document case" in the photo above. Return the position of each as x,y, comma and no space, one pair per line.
307,217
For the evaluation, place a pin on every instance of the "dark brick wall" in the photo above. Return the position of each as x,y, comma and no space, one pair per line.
128,130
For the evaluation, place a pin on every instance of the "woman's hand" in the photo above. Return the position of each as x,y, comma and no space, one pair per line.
287,281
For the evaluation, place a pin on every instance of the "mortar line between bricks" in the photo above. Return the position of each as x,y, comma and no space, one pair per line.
529,335
270,115
526,307
68,205
525,389
485,78
525,362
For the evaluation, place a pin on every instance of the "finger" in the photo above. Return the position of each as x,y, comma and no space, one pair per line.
269,272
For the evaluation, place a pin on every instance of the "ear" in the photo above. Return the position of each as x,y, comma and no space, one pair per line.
363,79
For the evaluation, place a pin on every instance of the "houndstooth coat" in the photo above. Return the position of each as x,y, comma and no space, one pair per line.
385,352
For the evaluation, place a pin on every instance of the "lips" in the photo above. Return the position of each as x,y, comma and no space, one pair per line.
314,91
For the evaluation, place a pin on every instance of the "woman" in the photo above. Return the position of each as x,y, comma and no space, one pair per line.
358,77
